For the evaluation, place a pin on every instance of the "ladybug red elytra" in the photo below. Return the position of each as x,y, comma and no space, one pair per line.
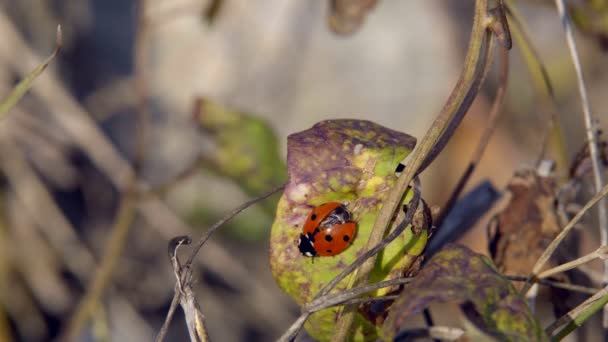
328,230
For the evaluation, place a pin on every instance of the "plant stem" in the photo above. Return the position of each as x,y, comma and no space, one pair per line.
456,106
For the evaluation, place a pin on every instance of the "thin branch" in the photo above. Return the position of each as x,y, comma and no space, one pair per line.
227,218
599,253
293,330
163,330
358,301
560,237
557,284
335,299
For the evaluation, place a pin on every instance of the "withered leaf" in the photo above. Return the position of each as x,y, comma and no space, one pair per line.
456,274
526,223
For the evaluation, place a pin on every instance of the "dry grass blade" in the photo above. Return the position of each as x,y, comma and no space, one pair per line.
7,103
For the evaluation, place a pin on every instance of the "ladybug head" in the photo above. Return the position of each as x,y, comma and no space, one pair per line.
306,245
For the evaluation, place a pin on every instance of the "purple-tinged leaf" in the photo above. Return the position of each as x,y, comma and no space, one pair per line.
456,274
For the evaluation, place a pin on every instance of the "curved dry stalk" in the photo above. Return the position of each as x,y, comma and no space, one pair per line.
431,144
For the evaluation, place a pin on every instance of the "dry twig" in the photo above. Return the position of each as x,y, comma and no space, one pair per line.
187,273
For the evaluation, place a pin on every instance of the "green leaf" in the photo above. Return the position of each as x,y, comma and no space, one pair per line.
246,150
346,161
457,274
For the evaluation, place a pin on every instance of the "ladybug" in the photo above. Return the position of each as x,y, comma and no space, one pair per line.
328,230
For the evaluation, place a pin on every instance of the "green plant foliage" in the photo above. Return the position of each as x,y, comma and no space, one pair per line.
346,161
457,274
246,150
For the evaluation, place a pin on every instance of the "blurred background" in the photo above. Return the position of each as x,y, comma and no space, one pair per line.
72,145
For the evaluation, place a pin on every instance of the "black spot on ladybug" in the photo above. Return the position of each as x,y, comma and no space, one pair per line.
313,217
345,238
317,231
328,251
328,238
